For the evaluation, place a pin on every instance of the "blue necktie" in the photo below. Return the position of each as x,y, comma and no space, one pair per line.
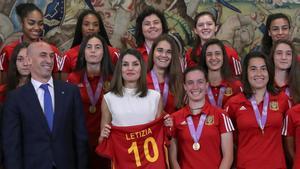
48,109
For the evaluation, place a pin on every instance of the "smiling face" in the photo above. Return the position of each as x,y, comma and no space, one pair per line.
33,26
22,62
283,56
131,69
94,51
205,28
162,55
90,25
279,29
195,85
152,27
41,59
214,57
258,75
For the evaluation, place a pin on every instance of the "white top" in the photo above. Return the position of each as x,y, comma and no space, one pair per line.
40,92
130,109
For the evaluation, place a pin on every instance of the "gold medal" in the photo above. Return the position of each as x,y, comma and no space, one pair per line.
196,146
92,109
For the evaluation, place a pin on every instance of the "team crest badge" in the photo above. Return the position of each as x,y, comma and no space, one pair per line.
274,105
209,120
228,91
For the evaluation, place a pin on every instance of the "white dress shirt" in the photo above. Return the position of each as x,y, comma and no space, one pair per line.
40,92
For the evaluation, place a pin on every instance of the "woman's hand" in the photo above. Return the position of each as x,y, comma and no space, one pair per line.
104,133
168,121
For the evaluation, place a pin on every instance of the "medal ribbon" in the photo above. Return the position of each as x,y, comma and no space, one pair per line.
287,92
220,97
156,86
93,98
261,119
196,133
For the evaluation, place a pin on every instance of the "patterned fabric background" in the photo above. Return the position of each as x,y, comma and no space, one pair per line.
241,22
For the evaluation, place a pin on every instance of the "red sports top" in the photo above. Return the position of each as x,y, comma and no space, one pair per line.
92,119
132,147
8,50
293,129
209,156
233,59
170,105
142,49
231,88
72,55
255,149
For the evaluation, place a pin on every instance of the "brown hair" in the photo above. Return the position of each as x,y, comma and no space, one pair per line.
247,89
117,82
174,69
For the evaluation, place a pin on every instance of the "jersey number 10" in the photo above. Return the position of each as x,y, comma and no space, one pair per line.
133,148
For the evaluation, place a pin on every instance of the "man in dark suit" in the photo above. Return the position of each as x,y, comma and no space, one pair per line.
43,121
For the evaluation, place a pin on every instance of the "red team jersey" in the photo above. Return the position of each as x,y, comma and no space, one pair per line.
170,107
254,148
8,50
209,156
132,147
142,49
72,55
231,88
92,119
293,130
233,59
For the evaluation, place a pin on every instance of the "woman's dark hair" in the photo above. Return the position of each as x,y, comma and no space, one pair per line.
78,29
107,68
267,41
194,68
174,69
13,75
24,9
225,69
117,82
188,70
179,42
139,36
246,85
197,42
294,55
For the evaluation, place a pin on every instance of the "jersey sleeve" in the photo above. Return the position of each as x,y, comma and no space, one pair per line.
225,124
288,128
4,59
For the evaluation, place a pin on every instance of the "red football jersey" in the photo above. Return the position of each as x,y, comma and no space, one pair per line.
233,59
142,49
132,147
293,129
72,55
8,50
209,156
231,88
257,148
170,106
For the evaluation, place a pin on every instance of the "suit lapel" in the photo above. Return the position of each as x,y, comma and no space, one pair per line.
33,102
58,106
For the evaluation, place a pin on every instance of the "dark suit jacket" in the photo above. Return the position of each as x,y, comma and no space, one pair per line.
28,142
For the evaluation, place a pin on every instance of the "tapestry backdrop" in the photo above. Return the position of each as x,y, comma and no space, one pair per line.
241,22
